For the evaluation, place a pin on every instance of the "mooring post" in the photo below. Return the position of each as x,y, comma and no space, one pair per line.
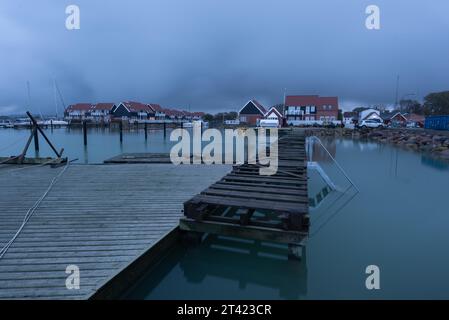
85,132
36,139
165,129
146,133
121,131
51,125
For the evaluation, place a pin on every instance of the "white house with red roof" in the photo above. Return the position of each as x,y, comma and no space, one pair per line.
78,112
275,117
101,112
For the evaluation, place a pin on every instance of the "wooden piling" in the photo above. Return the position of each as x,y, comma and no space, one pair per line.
165,129
121,131
36,139
85,132
146,132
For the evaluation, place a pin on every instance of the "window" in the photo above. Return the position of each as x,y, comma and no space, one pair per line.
312,109
307,109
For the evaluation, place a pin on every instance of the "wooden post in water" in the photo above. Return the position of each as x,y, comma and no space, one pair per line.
51,125
36,139
85,132
146,133
165,129
121,131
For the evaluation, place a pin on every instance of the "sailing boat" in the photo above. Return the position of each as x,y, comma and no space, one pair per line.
56,121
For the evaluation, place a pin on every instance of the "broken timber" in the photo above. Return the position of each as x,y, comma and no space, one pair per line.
21,159
249,205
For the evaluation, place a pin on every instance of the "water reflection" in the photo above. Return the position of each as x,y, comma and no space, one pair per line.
226,267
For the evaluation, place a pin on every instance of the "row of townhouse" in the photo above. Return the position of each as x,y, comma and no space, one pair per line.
129,111
298,110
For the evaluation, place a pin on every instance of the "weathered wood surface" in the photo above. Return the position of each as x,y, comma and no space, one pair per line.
99,217
283,193
143,157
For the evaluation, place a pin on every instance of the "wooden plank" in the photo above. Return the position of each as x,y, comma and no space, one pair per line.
296,208
99,217
256,195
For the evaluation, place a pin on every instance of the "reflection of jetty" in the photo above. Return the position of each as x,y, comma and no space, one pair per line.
248,263
249,205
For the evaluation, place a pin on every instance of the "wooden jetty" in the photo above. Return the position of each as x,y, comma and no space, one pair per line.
246,204
143,157
109,220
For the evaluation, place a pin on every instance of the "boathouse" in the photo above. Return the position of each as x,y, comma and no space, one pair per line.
251,113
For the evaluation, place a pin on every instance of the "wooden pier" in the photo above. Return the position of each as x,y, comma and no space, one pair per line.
246,204
104,219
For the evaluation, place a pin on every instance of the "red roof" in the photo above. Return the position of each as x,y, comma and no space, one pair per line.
312,100
79,107
273,109
103,106
156,107
136,106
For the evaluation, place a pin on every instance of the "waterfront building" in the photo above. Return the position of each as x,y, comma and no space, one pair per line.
311,109
78,112
251,113
133,111
274,114
101,112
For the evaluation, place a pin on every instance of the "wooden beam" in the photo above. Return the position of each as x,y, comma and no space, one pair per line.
256,233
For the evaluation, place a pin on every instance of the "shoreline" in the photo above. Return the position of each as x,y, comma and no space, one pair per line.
423,141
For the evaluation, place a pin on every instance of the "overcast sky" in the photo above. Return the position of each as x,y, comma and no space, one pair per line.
214,55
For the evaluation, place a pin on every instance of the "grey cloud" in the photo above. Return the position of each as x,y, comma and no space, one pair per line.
215,55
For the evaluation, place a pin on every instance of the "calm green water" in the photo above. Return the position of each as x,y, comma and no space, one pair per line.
398,221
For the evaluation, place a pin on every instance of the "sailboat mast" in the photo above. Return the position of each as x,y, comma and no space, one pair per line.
55,97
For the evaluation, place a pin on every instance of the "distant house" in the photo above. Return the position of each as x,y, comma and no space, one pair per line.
101,112
133,111
310,109
349,117
251,113
78,112
197,115
395,119
159,113
369,114
275,114
415,120
173,115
